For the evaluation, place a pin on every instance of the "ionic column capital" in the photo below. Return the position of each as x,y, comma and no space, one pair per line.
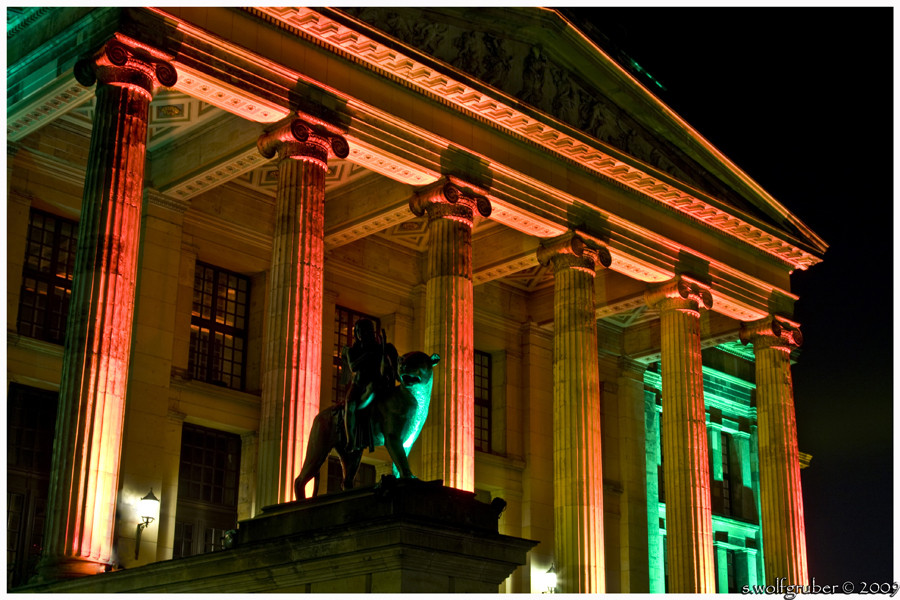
304,137
772,332
681,292
572,251
452,199
126,62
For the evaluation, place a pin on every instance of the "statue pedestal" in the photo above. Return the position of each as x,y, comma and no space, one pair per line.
398,536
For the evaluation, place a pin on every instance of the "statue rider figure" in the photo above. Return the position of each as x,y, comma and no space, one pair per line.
373,363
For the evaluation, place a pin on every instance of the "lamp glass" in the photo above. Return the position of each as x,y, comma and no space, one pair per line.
148,506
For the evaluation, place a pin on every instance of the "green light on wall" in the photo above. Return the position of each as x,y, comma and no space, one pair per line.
642,71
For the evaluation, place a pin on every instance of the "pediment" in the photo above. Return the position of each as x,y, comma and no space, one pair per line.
546,64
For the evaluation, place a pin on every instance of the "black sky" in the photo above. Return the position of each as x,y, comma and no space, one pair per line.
801,99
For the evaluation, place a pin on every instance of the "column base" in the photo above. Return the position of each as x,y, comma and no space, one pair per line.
60,569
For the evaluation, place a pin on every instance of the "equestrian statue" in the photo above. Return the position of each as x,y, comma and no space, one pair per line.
386,405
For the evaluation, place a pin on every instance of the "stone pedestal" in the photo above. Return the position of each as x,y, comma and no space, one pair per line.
685,450
781,497
398,536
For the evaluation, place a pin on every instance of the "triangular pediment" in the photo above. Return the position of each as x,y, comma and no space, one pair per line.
547,66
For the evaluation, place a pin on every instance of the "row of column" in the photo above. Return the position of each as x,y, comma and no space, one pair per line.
86,455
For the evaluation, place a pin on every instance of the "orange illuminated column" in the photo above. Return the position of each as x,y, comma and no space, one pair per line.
448,442
689,535
781,499
88,441
577,460
292,348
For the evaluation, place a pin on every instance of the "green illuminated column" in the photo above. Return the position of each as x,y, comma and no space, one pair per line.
689,534
781,498
448,436
577,463
292,356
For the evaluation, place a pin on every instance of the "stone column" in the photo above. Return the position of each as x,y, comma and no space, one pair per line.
292,348
577,463
686,457
87,446
781,498
447,440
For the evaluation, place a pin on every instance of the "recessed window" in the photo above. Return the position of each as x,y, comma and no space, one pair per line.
727,495
31,422
47,277
208,478
482,401
219,326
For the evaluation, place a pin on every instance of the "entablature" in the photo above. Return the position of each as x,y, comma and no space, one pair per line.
572,189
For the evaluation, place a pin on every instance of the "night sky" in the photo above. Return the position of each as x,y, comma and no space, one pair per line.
801,100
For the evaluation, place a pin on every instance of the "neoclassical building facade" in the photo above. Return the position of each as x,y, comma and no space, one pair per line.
202,201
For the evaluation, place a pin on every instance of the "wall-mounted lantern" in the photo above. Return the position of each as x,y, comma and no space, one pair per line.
148,508
550,579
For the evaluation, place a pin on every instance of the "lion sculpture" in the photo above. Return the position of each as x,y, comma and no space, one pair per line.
397,419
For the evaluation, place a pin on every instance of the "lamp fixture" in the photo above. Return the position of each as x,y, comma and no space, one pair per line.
551,579
147,509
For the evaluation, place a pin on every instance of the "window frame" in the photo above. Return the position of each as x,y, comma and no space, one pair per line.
483,399
209,372
41,324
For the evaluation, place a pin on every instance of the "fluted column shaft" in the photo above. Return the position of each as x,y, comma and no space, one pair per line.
448,436
292,356
88,441
781,497
689,535
577,460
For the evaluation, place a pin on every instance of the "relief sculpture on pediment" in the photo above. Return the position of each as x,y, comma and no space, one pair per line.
497,61
533,71
530,73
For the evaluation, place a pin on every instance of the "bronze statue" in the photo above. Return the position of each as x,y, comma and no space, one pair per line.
373,364
397,416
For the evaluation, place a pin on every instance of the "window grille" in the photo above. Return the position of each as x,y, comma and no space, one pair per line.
47,277
208,478
219,326
483,376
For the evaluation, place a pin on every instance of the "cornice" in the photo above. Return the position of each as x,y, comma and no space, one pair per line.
64,95
370,157
593,156
227,97
217,174
367,226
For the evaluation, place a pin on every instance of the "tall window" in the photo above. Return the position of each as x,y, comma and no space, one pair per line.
31,421
661,472
47,277
482,401
344,319
218,326
727,495
207,490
